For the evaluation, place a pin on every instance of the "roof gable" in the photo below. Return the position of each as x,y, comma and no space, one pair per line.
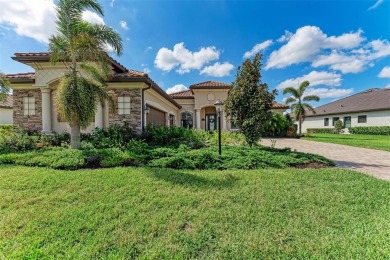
211,85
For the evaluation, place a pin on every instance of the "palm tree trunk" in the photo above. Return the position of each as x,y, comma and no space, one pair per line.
75,136
300,125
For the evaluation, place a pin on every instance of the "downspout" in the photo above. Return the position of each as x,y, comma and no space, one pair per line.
143,108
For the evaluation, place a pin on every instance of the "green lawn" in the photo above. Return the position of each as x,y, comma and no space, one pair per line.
151,213
378,142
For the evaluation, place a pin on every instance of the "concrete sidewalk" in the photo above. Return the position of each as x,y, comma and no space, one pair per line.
368,161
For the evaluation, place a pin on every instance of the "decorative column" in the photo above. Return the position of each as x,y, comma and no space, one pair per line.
46,110
106,121
167,119
223,118
197,119
99,115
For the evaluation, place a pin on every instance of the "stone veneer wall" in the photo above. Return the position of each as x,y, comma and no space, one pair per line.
29,122
134,118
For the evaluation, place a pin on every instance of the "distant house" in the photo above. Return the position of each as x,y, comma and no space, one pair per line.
6,111
138,99
367,108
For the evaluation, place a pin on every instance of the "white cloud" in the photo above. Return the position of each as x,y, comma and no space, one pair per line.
92,17
34,19
124,25
307,43
112,3
315,78
257,48
287,36
183,59
378,3
385,72
149,48
387,87
176,88
329,92
381,48
341,62
217,69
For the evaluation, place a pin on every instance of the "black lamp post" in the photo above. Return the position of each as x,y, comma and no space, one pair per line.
219,105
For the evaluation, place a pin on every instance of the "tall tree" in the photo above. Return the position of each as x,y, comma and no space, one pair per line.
5,89
249,102
84,46
300,108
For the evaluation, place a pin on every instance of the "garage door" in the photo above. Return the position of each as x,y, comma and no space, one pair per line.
155,116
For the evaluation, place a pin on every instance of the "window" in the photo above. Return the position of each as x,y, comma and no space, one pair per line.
362,119
334,120
29,106
187,119
326,121
124,105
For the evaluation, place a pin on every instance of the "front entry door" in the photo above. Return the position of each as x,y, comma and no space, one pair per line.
211,122
347,121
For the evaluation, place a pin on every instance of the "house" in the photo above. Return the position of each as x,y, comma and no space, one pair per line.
198,108
6,111
367,108
138,99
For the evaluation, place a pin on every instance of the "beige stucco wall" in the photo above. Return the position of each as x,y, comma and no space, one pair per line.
6,116
374,118
155,100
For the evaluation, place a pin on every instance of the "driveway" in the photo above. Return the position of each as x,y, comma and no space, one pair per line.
368,161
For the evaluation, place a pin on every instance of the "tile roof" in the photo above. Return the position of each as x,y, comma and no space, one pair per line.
368,100
130,74
27,75
7,103
279,105
210,84
183,94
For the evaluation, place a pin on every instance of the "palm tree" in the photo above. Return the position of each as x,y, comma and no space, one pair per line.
300,108
4,87
84,46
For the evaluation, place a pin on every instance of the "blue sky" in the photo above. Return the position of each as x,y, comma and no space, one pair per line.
341,47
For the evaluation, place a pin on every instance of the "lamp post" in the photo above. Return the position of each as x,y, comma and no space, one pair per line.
219,105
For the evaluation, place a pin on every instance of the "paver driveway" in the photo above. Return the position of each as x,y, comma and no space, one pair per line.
369,161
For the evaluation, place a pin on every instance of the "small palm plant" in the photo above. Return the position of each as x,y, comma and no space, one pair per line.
84,46
5,89
300,108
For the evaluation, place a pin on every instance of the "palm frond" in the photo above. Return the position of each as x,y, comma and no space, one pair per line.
302,87
5,89
292,91
290,100
311,98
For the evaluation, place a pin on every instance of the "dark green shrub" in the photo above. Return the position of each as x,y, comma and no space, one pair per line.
179,161
338,126
17,141
111,157
320,130
114,136
370,130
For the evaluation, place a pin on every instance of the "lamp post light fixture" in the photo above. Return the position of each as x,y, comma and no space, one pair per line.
219,106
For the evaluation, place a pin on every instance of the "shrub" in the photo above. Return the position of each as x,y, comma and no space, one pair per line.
17,141
227,138
177,162
114,136
111,157
338,126
320,131
370,130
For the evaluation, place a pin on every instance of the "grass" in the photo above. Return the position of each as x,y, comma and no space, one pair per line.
152,213
378,142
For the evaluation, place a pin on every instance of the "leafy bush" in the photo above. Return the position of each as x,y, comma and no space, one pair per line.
370,130
227,138
338,126
17,141
320,131
114,136
111,157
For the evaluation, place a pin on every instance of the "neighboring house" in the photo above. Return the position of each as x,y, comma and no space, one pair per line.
198,108
6,111
138,99
367,108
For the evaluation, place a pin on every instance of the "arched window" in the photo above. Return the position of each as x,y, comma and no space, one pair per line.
187,119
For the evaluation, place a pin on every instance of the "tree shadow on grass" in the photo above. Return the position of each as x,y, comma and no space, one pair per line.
177,177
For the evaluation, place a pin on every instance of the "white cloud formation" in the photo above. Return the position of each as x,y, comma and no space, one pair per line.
124,25
176,88
385,72
92,17
217,69
285,37
35,19
329,92
149,48
307,43
341,62
378,3
315,78
183,59
257,48
112,3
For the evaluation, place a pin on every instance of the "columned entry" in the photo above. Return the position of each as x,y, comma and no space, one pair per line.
211,122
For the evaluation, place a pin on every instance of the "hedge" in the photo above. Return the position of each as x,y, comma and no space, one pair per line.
321,131
370,130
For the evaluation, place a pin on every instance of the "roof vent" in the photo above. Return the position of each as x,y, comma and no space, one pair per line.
341,106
